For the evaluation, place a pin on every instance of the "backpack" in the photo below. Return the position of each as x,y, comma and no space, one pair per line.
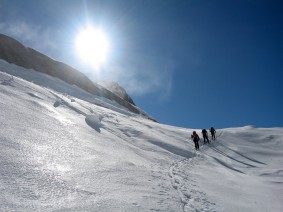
195,138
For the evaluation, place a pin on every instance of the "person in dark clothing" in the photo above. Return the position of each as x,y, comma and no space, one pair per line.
205,136
195,138
213,132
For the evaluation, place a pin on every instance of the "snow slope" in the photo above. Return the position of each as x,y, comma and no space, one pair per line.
62,149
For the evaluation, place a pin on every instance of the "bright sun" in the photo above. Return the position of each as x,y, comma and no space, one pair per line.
92,46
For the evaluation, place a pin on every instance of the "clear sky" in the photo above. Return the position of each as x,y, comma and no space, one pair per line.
187,63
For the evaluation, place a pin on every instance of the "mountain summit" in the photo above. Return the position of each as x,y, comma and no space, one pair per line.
115,88
14,52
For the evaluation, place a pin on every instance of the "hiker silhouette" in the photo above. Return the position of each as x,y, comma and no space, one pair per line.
213,132
205,136
195,138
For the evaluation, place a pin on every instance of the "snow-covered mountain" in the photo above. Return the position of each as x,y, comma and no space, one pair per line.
14,52
64,149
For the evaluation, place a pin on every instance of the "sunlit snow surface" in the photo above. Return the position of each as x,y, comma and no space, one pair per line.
62,149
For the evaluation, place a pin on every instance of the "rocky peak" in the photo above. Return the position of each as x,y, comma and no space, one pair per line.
14,52
115,88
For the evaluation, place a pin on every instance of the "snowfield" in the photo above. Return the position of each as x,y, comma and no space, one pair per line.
63,149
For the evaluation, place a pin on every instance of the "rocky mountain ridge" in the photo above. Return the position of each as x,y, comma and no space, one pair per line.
14,52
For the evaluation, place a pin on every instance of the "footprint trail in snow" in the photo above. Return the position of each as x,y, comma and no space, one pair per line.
185,182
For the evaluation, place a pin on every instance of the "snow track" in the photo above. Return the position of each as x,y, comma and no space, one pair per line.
183,180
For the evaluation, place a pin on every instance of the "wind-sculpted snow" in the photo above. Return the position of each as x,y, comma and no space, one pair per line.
60,152
94,121
60,86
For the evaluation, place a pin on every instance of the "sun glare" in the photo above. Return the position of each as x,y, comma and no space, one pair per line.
92,46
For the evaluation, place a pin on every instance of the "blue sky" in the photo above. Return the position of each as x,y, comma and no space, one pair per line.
190,63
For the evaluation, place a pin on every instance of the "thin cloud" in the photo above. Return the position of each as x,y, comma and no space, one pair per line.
141,78
18,29
33,36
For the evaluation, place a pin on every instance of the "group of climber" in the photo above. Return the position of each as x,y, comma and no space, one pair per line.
204,132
